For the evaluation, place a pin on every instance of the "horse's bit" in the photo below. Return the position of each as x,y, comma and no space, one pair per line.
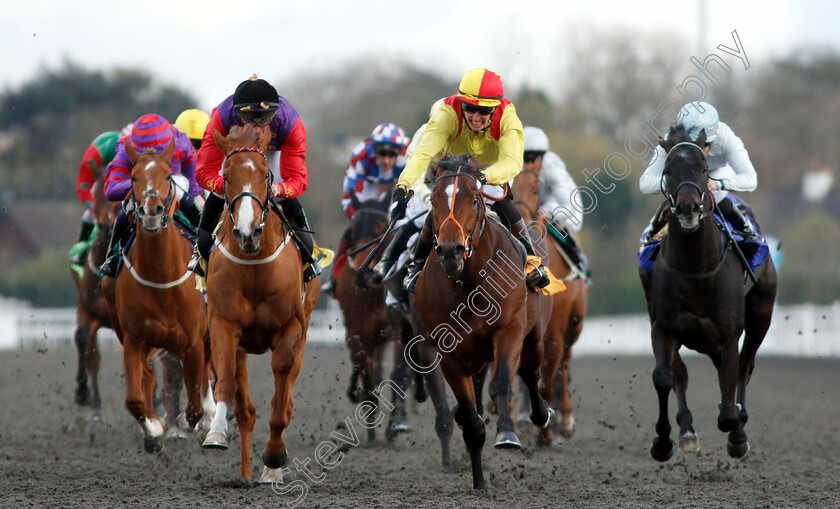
701,192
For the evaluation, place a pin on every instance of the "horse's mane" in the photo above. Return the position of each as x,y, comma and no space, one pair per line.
242,136
466,163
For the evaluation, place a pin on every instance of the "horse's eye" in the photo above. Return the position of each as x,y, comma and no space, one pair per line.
475,201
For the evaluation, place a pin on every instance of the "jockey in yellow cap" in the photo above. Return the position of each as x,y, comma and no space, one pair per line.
480,122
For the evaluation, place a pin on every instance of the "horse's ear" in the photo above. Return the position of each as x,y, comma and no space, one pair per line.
355,201
221,141
131,152
701,138
264,140
169,150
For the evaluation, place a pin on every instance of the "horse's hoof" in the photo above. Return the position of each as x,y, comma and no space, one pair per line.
396,430
215,440
566,428
522,417
152,444
661,456
182,424
271,476
95,416
173,433
547,422
689,442
507,440
737,450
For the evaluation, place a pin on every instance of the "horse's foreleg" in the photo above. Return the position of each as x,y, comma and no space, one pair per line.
224,350
664,349
529,371
566,423
728,419
246,413
688,438
478,388
398,422
135,361
286,360
93,363
81,338
467,417
194,380
758,312
507,347
550,378
173,379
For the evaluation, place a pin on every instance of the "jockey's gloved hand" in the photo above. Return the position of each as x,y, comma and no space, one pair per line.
482,178
399,201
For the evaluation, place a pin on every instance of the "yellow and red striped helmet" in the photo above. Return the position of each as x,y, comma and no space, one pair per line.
481,87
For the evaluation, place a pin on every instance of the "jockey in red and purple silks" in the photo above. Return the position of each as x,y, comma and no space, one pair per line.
257,103
151,132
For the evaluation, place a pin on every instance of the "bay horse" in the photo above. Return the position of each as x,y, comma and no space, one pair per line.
92,307
696,297
256,301
473,301
568,308
153,303
361,297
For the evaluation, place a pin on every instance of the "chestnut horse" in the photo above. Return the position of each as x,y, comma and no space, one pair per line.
473,301
92,307
361,297
568,309
256,301
153,302
696,298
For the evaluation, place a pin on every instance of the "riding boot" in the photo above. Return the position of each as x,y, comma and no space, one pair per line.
539,277
658,222
418,260
392,253
213,207
736,218
304,235
79,249
120,235
191,211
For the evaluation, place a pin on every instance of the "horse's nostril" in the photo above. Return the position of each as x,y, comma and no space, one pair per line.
159,210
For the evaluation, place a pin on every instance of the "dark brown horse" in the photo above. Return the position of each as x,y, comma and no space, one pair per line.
568,309
696,297
256,302
474,303
155,305
92,307
361,297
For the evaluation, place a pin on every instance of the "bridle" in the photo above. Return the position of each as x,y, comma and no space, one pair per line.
264,204
480,222
167,203
702,192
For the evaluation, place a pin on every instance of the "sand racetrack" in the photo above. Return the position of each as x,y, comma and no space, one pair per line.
50,456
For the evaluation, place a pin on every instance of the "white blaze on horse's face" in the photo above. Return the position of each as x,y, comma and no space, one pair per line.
151,221
450,190
245,217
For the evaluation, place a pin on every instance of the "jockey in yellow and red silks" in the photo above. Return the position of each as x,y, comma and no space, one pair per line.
478,121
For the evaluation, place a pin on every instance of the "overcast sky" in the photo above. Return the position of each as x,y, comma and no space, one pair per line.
209,46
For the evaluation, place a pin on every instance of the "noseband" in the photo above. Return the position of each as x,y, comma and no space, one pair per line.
468,239
702,192
264,205
167,203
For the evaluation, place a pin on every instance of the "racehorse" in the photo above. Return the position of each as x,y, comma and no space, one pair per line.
568,309
473,301
153,302
697,297
92,307
256,301
361,297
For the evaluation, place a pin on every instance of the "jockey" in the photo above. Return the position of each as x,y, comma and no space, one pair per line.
556,190
730,168
96,158
375,164
151,131
478,121
193,122
256,102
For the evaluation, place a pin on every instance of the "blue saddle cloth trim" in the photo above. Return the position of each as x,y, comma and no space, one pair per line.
647,252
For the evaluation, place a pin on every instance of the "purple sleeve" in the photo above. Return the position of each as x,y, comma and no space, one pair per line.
118,178
188,162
